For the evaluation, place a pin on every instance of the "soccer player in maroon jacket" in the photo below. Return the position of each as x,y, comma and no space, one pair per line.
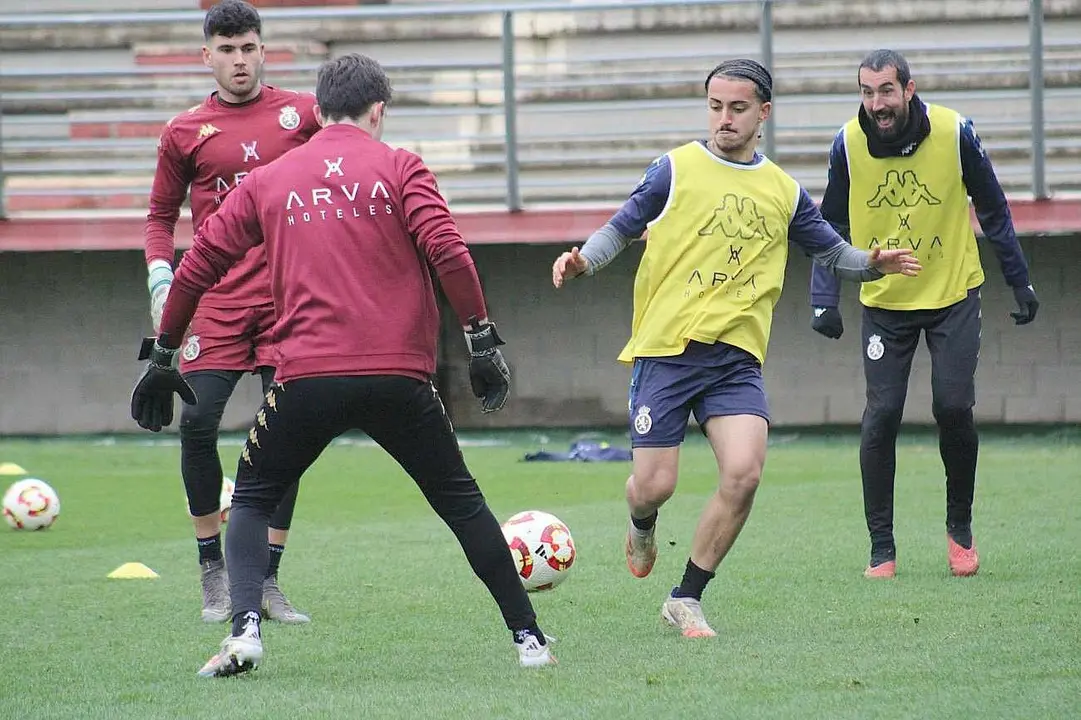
211,148
351,228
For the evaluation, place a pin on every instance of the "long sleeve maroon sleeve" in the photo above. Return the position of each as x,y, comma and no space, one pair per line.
429,221
171,180
463,291
223,240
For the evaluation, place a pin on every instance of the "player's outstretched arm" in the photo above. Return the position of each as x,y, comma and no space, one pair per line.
895,262
599,250
568,265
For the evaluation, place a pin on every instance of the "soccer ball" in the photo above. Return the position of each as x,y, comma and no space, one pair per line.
225,500
31,504
542,548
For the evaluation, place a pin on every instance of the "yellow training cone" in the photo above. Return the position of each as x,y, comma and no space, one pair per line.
133,570
10,468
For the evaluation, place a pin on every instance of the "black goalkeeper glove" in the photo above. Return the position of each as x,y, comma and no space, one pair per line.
1027,304
152,399
489,375
827,321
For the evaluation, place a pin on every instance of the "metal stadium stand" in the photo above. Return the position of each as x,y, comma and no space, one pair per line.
595,90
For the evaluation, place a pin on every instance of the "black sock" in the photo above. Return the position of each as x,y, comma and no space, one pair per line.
534,630
882,553
694,582
645,523
209,549
275,559
241,620
962,536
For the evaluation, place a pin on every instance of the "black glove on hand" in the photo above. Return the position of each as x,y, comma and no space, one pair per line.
827,321
489,375
152,399
1028,304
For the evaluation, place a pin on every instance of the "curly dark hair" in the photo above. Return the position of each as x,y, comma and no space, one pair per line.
230,18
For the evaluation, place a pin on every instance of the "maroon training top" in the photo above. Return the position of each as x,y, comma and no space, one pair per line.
211,148
350,227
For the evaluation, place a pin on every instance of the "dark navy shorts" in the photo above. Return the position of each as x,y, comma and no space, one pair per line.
665,391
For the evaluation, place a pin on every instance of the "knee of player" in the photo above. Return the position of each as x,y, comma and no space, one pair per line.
197,423
456,500
654,487
742,481
952,413
883,417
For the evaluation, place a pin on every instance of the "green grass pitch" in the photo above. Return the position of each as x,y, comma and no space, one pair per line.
401,628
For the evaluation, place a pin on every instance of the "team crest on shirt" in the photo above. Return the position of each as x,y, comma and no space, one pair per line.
875,348
191,348
643,423
289,118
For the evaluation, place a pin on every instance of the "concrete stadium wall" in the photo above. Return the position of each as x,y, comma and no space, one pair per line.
70,325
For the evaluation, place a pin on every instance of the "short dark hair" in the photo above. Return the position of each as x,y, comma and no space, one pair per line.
349,85
744,69
230,18
878,60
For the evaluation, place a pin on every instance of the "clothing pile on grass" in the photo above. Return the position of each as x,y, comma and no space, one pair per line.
583,451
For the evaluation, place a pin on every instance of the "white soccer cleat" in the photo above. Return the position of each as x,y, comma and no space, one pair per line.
531,653
686,614
238,654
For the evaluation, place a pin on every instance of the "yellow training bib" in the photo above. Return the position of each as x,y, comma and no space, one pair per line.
918,202
715,258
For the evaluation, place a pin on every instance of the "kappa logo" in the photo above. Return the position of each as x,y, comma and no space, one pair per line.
206,130
902,190
875,348
737,217
643,423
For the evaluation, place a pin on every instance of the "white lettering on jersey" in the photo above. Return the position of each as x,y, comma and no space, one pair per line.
249,151
222,186
333,167
325,195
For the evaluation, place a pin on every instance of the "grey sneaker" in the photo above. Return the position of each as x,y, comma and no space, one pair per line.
277,607
216,604
686,615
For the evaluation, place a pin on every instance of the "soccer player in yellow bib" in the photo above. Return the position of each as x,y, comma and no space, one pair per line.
720,217
901,175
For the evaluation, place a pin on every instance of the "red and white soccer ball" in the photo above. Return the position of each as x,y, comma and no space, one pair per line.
225,500
31,504
542,548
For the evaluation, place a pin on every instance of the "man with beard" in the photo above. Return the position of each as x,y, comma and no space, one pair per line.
720,218
207,151
901,174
